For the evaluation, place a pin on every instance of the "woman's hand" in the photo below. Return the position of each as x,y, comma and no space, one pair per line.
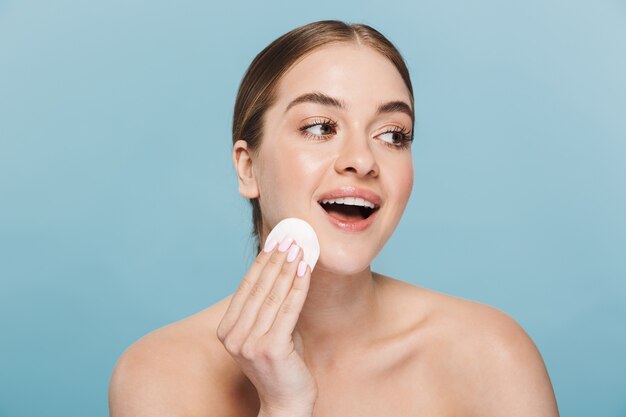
258,330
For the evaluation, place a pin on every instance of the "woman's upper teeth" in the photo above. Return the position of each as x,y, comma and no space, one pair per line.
351,201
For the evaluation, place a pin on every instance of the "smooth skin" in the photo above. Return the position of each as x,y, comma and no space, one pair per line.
343,340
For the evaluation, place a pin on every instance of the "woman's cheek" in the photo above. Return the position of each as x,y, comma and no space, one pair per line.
402,171
310,163
408,180
285,177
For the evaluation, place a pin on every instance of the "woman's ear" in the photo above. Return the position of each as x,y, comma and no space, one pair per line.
242,159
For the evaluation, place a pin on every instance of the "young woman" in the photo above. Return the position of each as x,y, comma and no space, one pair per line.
322,131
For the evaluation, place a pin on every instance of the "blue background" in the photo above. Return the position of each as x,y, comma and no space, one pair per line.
119,210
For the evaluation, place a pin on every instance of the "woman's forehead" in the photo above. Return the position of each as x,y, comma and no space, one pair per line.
346,71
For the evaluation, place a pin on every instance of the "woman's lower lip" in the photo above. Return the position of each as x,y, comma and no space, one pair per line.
357,226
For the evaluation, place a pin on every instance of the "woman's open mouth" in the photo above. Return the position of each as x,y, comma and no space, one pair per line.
348,209
350,214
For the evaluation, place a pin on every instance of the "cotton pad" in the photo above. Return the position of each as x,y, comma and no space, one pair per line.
302,233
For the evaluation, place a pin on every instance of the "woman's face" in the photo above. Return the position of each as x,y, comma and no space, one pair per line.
340,128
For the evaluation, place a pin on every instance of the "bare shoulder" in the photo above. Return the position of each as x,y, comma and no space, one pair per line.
504,367
481,353
180,369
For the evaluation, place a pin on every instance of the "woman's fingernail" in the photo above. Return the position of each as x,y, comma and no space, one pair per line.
270,245
302,268
284,245
293,252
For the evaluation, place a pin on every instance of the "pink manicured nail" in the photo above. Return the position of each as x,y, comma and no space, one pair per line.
293,252
270,245
284,245
302,268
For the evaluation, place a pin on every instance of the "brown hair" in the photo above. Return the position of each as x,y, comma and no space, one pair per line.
257,88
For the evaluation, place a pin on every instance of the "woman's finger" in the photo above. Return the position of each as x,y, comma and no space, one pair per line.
260,290
279,291
289,312
247,283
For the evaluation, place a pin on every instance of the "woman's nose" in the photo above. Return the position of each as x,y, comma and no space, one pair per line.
356,156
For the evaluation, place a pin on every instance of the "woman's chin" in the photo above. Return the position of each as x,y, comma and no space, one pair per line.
341,265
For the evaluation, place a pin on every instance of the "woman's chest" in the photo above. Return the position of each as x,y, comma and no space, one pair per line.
407,389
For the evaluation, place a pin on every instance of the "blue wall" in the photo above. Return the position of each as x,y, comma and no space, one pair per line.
119,210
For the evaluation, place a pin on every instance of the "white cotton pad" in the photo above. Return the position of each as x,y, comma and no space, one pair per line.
302,233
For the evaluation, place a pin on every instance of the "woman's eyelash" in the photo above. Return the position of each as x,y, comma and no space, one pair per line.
406,138
318,122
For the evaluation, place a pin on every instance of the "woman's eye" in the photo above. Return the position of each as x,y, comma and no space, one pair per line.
394,137
320,129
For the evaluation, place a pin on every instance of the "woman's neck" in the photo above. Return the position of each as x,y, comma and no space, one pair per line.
340,311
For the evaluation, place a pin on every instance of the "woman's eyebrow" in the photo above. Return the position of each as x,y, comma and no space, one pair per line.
326,100
395,106
316,97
